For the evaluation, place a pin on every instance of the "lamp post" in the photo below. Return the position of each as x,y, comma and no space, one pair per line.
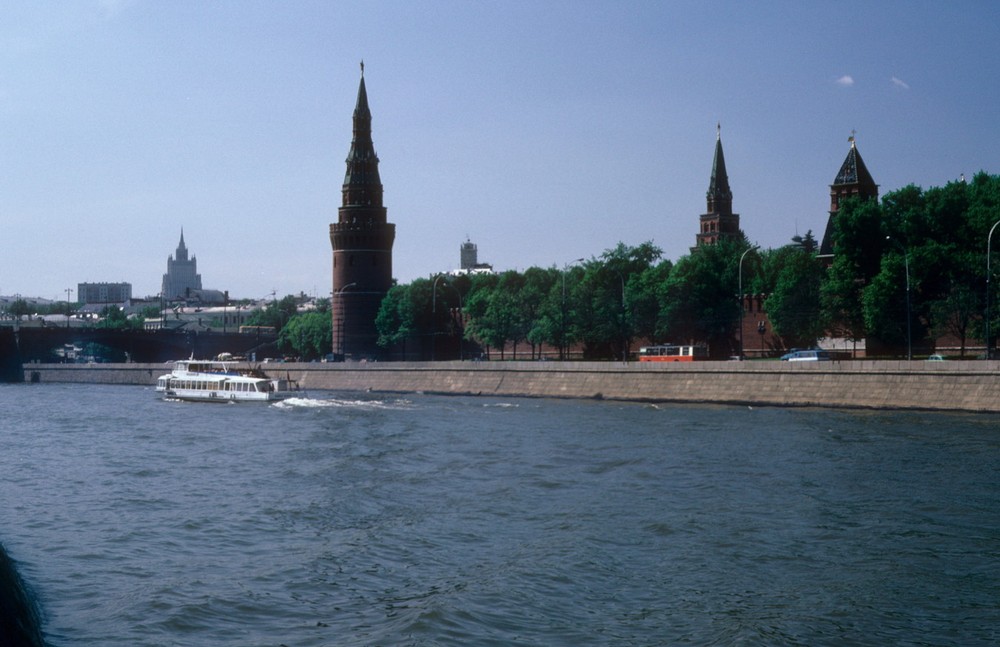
906,266
562,329
621,277
340,326
68,292
989,241
461,355
744,255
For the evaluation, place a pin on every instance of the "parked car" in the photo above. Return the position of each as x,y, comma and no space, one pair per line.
936,358
807,356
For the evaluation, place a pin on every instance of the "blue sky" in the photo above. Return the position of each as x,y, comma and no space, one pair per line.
543,131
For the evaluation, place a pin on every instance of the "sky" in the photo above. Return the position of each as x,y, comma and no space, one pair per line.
542,131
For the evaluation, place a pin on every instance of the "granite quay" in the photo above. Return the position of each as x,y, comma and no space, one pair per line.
972,385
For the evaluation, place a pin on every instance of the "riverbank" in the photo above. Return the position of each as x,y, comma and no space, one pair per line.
945,386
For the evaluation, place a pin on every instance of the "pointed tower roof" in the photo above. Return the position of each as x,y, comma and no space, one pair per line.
719,184
182,252
362,184
720,196
852,181
853,170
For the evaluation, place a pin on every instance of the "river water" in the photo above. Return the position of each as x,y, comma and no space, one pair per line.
347,519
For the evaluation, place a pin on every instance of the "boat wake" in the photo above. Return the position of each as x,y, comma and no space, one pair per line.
315,403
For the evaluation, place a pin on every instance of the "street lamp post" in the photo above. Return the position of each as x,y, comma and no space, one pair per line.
68,292
989,241
748,250
340,327
906,266
461,354
562,329
621,277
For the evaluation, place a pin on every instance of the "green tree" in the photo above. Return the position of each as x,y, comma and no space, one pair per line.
644,299
955,313
396,318
307,335
607,297
498,317
858,240
19,308
984,211
275,314
539,308
793,303
698,301
114,318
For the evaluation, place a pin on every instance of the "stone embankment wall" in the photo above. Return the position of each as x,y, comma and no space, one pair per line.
952,386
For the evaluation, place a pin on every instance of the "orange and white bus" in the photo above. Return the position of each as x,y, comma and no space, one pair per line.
673,353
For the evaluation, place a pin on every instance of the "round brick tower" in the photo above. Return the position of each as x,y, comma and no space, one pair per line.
362,245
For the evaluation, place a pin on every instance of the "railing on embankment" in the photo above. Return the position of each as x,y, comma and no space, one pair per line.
953,386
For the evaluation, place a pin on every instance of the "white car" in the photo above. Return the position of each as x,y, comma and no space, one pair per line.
807,356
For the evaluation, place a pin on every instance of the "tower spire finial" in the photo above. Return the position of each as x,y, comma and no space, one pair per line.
718,130
362,68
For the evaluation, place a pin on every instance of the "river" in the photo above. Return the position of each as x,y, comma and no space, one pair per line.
361,519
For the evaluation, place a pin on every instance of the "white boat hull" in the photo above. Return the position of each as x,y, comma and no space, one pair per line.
215,381
197,395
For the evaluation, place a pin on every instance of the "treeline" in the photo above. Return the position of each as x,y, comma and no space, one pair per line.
905,271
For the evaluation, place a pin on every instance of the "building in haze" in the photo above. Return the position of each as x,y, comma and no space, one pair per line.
362,241
719,221
102,293
469,261
182,276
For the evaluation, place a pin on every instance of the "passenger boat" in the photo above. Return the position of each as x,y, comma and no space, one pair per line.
673,353
222,381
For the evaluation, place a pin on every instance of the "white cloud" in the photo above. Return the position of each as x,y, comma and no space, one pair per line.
846,80
899,83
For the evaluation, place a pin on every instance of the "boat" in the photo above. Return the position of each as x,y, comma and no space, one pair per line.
222,381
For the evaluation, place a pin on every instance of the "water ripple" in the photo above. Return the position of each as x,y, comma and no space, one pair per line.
368,520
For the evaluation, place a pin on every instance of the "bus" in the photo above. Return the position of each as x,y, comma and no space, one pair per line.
673,353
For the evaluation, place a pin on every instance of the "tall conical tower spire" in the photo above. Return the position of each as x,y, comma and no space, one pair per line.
720,197
182,252
853,180
362,185
362,240
719,221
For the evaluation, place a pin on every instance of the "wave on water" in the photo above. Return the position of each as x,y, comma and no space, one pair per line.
316,403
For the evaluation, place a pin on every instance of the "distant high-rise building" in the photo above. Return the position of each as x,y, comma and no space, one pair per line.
469,261
719,221
469,255
853,180
362,241
182,276
103,292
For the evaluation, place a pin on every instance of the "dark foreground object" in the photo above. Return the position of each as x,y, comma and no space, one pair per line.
20,624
